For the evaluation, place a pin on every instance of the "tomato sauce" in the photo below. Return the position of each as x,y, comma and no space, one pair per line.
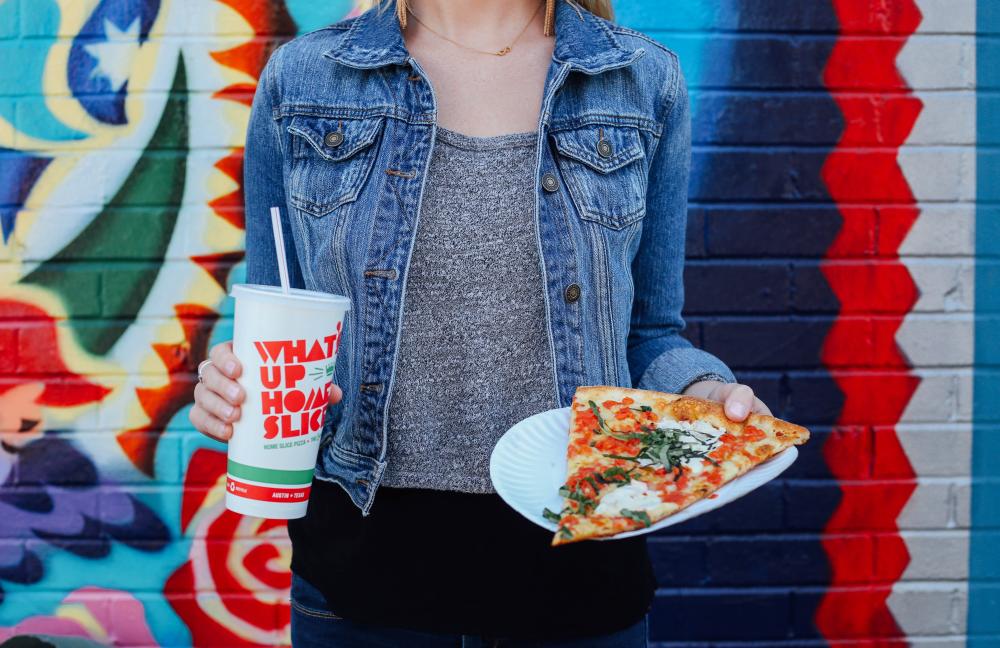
730,445
751,433
624,413
585,419
579,481
610,445
675,491
578,447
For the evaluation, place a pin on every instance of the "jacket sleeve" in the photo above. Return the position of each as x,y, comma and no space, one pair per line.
263,187
659,357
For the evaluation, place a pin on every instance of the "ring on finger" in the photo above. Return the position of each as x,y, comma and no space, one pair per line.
201,369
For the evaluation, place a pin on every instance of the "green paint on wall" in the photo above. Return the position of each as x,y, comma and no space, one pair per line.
129,237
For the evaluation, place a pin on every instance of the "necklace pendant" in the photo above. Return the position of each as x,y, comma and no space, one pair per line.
504,52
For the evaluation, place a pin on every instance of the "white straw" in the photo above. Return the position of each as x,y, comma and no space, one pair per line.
279,247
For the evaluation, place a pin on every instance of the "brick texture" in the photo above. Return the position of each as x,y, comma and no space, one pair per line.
831,262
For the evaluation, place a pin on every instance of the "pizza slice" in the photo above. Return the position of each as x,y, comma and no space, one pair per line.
638,456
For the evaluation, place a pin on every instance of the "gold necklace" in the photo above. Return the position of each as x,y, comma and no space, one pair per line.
500,52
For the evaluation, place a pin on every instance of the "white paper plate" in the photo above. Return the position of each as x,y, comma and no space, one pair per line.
528,465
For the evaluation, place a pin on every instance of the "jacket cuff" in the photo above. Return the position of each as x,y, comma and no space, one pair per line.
675,370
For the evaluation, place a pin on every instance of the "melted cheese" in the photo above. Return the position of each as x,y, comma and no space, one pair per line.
635,496
695,465
704,427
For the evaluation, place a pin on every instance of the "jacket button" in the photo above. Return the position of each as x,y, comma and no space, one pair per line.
572,293
549,182
333,139
604,148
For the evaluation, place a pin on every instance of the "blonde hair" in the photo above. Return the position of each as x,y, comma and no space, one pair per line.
600,8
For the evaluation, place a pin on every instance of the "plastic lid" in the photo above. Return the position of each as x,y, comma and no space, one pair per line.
298,296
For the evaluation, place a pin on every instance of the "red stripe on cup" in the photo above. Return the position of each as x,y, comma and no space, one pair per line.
266,493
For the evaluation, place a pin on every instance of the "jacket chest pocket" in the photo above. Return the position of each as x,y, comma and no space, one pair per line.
604,173
331,159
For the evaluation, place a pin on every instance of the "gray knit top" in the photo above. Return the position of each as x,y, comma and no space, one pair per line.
474,357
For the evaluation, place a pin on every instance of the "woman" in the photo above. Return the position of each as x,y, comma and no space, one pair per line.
500,188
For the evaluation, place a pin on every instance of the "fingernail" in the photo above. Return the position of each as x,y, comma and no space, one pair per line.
739,410
229,412
234,393
230,367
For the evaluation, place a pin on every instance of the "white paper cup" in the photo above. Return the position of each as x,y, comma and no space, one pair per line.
287,344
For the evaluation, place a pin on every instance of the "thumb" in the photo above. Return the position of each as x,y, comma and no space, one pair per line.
336,393
739,403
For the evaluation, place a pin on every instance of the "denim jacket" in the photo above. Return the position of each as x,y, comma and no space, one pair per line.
340,136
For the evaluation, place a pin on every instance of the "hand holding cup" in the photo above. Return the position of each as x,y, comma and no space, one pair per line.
218,396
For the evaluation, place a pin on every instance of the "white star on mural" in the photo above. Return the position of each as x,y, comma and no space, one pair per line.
114,55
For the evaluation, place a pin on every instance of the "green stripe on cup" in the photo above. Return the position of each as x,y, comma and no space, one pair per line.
269,475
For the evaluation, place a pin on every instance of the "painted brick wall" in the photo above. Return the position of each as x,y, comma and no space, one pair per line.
832,261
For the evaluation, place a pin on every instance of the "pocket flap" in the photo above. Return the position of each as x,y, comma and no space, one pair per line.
602,148
335,138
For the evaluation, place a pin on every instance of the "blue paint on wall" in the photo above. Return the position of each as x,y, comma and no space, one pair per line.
24,80
984,558
309,14
101,93
18,174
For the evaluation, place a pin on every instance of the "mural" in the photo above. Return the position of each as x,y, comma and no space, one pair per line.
833,214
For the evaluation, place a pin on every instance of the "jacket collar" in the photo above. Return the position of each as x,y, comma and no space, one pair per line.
582,40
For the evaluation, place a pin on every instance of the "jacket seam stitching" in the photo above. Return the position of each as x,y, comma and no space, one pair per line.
635,231
639,123
673,91
557,82
565,208
344,112
675,84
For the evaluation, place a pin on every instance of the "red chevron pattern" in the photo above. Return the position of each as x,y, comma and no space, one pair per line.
875,294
